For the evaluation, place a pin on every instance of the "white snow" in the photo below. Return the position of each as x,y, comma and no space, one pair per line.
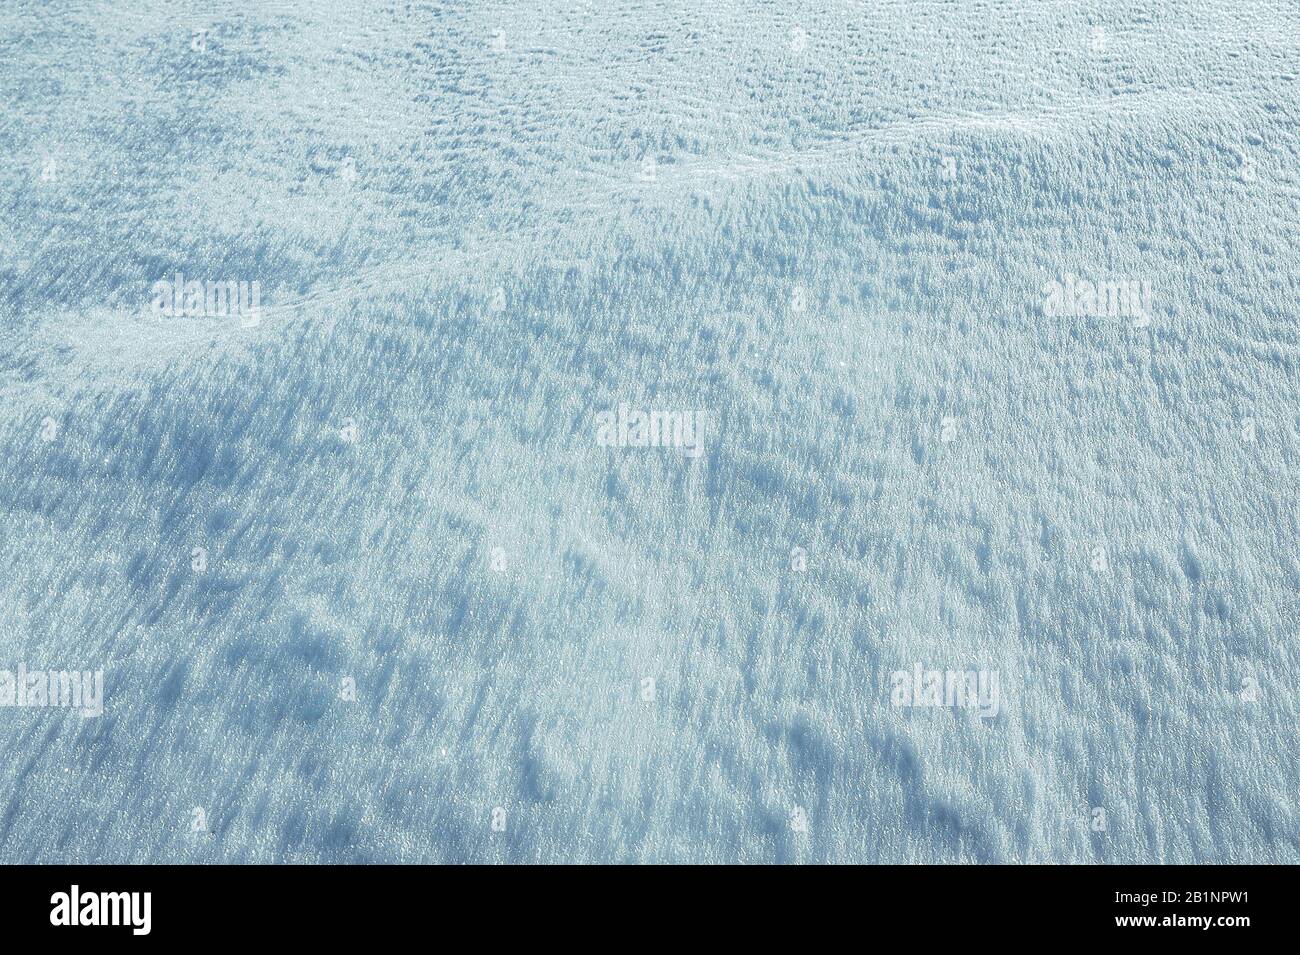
827,228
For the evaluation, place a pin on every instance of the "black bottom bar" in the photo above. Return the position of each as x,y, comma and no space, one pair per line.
340,905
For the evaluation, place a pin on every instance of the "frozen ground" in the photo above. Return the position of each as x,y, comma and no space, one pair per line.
825,226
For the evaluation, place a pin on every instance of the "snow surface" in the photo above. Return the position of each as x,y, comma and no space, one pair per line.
741,209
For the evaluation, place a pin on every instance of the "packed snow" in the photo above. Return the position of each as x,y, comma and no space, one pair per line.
665,431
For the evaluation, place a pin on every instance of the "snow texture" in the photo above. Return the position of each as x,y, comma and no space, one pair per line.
828,228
